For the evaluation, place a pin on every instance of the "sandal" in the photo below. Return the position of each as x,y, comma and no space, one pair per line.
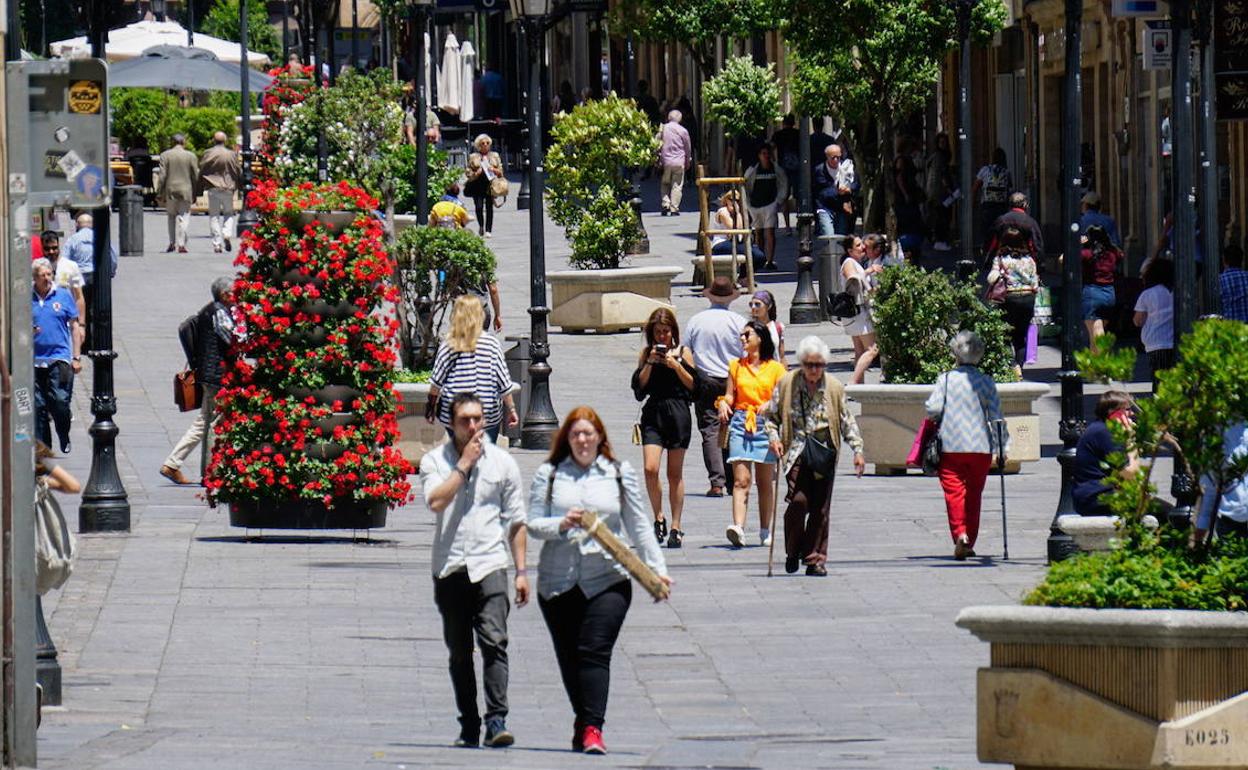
674,538
660,529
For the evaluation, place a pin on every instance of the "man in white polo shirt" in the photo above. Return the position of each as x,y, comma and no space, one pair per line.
714,336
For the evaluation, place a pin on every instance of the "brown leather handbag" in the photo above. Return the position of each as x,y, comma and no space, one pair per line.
187,393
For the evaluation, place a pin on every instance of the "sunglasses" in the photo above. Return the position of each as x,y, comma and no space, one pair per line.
746,335
814,365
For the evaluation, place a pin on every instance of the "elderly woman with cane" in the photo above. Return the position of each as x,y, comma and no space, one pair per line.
964,404
808,418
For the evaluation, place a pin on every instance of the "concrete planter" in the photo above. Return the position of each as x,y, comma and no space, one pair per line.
1112,689
891,415
404,221
416,436
609,300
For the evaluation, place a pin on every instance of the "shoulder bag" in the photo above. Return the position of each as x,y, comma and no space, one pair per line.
55,546
188,394
932,447
995,293
817,457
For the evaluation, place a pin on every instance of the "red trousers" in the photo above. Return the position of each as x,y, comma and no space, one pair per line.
962,477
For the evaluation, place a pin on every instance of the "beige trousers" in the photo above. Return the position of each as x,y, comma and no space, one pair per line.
200,432
670,185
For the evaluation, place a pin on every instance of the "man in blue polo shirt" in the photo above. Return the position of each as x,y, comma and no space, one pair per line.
55,316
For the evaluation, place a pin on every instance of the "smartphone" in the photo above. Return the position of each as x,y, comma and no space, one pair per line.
660,349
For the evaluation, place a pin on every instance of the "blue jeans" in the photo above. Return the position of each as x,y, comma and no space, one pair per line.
54,387
832,222
1098,301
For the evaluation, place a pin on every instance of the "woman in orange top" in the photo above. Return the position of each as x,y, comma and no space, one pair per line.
751,380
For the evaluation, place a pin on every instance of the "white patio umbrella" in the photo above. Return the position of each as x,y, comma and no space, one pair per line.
468,69
131,41
450,77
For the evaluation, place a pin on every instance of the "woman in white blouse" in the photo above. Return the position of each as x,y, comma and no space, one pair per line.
583,593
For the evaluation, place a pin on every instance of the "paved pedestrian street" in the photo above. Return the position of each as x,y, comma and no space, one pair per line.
187,645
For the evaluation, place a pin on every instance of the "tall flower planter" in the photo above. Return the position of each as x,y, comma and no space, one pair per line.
308,415
891,415
1112,689
609,300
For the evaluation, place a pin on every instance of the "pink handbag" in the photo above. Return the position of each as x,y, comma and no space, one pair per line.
927,429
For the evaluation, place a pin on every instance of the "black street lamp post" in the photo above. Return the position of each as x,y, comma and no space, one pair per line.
105,506
1210,237
420,23
966,264
540,421
247,218
524,196
1183,236
805,308
285,32
1060,544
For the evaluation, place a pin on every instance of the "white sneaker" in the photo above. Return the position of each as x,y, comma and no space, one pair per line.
764,537
735,535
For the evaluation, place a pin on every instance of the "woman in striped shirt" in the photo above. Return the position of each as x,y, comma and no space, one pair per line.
471,362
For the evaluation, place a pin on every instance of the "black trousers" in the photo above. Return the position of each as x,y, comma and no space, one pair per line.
481,607
1019,309
584,632
713,456
485,213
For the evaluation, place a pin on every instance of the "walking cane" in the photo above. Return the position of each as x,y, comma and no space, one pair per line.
1005,537
775,534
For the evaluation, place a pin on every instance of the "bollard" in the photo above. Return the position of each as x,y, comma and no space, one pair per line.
130,220
830,251
517,357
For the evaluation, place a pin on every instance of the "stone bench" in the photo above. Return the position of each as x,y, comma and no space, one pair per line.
723,264
1095,533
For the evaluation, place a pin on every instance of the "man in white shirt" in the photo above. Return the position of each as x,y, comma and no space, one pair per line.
476,491
67,275
714,336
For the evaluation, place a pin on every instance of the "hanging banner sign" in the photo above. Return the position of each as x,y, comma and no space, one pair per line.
1230,36
1232,96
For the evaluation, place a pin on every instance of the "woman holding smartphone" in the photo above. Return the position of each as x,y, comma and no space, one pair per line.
664,380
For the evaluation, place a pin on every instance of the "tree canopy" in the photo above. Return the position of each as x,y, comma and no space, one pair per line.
695,23
222,22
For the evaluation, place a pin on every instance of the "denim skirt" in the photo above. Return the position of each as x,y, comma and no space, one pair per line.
1098,301
748,447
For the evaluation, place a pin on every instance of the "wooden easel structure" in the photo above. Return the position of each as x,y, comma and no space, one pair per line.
707,229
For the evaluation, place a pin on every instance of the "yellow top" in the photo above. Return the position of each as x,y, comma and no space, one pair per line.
753,386
448,212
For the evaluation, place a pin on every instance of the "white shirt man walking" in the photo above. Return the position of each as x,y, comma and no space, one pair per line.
219,173
714,336
476,491
675,156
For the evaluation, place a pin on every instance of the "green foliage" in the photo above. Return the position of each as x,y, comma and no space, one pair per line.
400,170
1108,363
222,21
696,24
744,97
588,188
918,312
363,127
436,265
1196,402
413,375
152,115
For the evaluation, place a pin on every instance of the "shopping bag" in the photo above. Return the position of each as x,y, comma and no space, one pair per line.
925,433
1033,344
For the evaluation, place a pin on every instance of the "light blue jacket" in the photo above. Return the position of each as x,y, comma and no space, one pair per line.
965,403
1234,502
570,559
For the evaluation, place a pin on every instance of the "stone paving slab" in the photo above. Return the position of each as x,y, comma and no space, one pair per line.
187,644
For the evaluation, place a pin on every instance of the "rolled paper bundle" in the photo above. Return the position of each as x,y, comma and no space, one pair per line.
650,581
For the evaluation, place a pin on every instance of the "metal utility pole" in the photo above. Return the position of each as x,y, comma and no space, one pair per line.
805,308
966,265
1060,544
247,218
1211,238
1183,234
420,23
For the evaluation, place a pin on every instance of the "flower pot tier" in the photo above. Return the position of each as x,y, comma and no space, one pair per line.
891,415
307,514
1114,689
609,300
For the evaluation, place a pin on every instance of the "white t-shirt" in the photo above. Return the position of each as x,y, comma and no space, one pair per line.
68,274
1158,330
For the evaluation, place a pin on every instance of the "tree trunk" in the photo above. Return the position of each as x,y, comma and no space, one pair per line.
888,144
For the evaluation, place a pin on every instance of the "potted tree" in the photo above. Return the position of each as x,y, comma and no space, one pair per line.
306,437
435,265
916,313
588,194
1136,657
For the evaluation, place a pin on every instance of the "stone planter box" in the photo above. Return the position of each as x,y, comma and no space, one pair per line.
1112,689
609,300
891,415
1095,533
404,221
416,436
724,264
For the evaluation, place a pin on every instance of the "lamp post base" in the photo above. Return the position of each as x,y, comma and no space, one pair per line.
805,306
47,667
105,506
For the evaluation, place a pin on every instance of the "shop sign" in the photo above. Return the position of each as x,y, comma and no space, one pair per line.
1158,45
1232,96
1152,8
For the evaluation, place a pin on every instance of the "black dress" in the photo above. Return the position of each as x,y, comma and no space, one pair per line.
665,418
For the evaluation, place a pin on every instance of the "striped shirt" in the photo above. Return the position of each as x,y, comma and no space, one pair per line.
482,371
965,402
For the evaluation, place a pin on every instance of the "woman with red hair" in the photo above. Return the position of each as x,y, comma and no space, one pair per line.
583,593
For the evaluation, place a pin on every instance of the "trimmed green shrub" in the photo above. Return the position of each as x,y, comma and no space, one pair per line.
744,97
918,312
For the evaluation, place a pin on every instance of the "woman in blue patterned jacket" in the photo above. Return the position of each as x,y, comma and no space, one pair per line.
965,404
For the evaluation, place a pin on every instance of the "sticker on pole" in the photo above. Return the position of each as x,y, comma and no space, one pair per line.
21,399
71,164
86,97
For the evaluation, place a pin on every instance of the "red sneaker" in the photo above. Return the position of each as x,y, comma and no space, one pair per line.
591,740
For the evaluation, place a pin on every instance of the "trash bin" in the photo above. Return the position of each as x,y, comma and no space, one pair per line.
130,218
828,255
517,357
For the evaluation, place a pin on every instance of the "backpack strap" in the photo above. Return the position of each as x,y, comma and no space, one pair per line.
619,483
